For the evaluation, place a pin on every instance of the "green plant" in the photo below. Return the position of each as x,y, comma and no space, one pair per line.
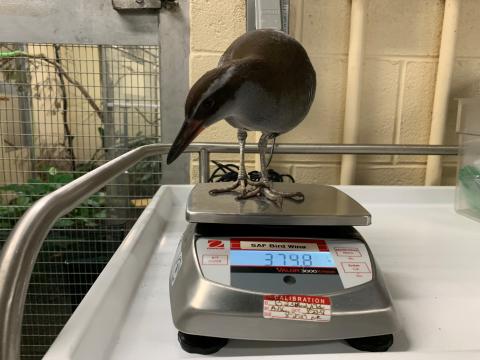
88,214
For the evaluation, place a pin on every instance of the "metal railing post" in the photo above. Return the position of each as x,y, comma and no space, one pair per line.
204,164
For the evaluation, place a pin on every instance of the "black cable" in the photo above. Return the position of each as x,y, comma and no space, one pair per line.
230,173
226,169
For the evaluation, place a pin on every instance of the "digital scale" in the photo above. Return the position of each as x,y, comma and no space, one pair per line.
301,272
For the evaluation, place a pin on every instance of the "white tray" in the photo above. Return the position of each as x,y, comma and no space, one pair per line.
428,254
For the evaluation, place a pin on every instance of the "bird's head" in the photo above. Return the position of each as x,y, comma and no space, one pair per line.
208,101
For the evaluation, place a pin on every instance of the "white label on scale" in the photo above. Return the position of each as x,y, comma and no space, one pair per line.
280,244
352,260
213,257
297,307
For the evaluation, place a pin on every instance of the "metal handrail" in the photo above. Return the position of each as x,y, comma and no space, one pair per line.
20,251
204,149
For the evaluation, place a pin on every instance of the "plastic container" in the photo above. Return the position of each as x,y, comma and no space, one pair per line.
467,197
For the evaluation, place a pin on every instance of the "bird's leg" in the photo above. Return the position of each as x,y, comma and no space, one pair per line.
242,179
265,186
242,172
262,149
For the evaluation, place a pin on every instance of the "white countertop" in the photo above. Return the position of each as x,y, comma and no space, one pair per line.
429,256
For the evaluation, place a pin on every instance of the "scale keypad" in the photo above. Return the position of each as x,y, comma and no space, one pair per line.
285,265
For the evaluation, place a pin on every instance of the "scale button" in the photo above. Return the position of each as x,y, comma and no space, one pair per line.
214,259
347,252
355,267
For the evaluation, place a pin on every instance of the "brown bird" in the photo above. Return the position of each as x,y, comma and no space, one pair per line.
263,82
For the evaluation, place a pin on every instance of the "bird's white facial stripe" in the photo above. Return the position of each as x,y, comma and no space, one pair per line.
221,81
217,84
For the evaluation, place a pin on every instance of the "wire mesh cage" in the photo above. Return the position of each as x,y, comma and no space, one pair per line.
64,110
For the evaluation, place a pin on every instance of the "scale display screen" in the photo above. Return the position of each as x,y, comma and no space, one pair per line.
264,258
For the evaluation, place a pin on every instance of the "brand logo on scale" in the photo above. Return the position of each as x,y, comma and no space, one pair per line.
216,244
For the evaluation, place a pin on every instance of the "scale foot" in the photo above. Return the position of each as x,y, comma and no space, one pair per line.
372,343
204,345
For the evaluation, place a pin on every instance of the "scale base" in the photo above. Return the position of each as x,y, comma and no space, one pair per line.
206,345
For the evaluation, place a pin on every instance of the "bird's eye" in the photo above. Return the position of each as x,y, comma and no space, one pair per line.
208,103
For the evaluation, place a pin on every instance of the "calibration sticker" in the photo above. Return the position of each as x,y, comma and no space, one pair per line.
297,307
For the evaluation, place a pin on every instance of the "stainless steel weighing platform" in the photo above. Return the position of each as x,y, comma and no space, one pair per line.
252,270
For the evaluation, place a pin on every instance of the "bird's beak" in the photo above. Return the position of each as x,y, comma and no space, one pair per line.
189,131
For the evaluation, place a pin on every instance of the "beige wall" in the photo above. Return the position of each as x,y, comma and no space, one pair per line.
402,43
213,26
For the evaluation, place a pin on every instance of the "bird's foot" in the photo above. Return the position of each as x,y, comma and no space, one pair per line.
265,188
251,189
241,182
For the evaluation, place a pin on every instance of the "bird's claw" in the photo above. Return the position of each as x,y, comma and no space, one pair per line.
248,194
295,196
231,188
264,188
240,182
